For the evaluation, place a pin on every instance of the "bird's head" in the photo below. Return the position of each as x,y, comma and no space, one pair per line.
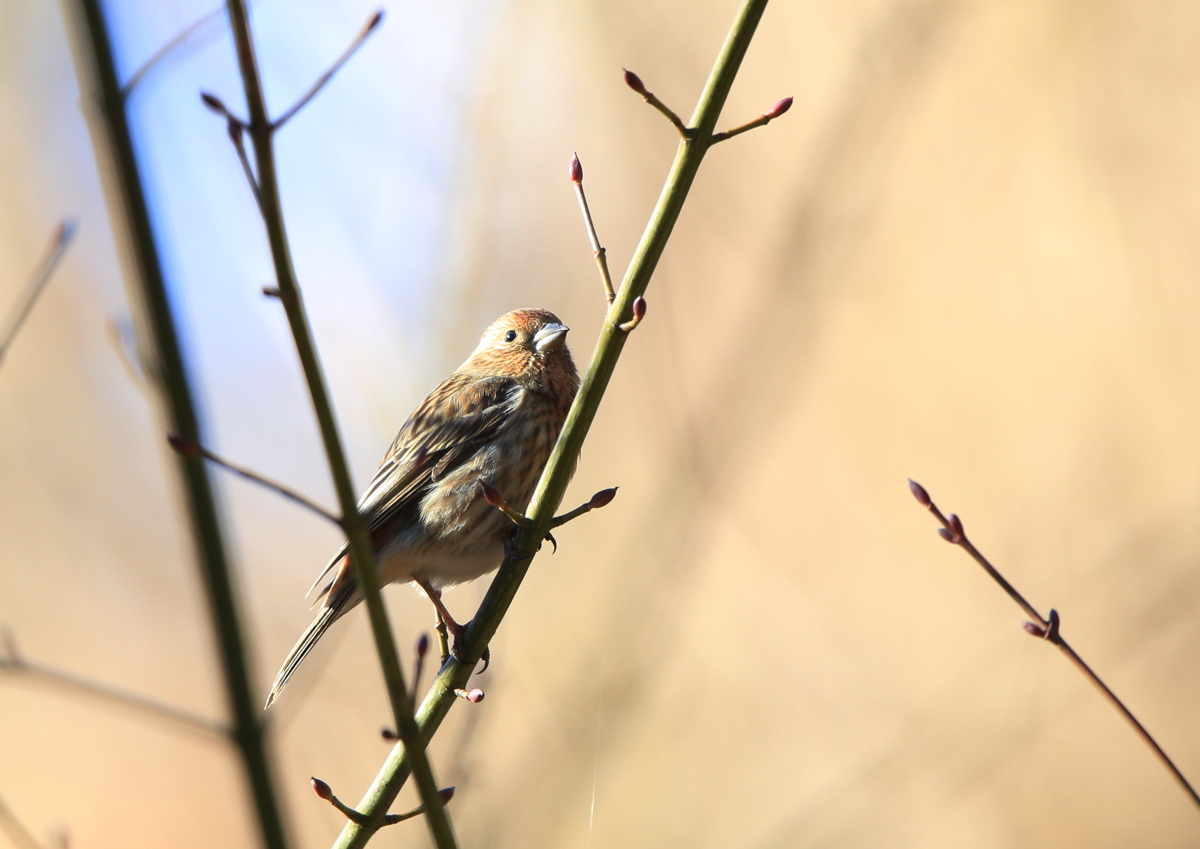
529,345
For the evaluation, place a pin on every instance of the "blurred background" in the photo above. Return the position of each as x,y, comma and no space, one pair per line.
968,255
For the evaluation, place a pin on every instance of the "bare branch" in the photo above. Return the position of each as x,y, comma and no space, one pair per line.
635,82
164,51
13,663
191,449
761,121
598,251
321,82
1046,628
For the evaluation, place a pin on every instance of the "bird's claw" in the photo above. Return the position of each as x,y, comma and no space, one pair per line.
550,537
458,635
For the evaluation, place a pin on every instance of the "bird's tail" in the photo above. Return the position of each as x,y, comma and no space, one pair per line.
335,605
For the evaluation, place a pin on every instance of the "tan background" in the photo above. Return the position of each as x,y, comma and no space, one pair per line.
968,255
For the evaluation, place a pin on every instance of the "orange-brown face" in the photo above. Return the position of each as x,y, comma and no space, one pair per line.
527,344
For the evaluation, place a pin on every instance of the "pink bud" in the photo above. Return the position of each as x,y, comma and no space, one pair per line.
779,108
492,495
639,308
603,498
956,526
635,82
576,169
473,696
322,789
1034,628
919,493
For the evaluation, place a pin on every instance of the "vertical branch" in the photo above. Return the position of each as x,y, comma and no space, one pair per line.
454,675
248,733
362,557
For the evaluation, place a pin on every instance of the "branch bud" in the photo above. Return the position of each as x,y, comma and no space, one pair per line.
956,527
375,21
388,735
635,82
422,645
321,789
919,493
602,498
576,170
492,495
446,794
779,108
1035,629
639,308
946,535
473,696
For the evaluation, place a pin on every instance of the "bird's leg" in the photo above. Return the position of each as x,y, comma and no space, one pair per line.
443,636
457,632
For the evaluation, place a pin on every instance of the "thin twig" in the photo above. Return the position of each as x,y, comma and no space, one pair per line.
1047,628
212,560
14,663
598,250
761,121
362,556
601,499
549,493
188,448
635,82
165,50
58,246
367,29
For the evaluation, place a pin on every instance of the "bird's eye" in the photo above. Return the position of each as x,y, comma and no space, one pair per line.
510,336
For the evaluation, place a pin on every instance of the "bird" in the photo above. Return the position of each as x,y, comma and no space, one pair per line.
495,420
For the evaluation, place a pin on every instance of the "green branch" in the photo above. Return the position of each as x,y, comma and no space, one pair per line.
546,499
172,376
362,556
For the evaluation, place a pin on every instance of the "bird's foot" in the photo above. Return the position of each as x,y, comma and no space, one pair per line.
512,552
458,636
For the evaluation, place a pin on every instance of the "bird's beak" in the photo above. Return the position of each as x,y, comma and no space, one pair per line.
552,337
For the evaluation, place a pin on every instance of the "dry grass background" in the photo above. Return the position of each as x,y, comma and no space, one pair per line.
968,255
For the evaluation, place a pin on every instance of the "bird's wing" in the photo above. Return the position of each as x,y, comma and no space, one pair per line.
447,429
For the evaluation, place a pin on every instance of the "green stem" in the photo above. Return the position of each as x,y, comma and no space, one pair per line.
553,483
172,375
362,556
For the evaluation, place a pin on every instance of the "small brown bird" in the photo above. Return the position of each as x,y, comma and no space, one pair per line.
494,420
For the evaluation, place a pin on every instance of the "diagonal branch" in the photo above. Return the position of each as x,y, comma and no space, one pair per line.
549,493
367,29
191,449
116,153
1046,628
166,50
362,556
13,662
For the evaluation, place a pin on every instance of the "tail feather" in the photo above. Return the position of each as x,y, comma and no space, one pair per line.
330,613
